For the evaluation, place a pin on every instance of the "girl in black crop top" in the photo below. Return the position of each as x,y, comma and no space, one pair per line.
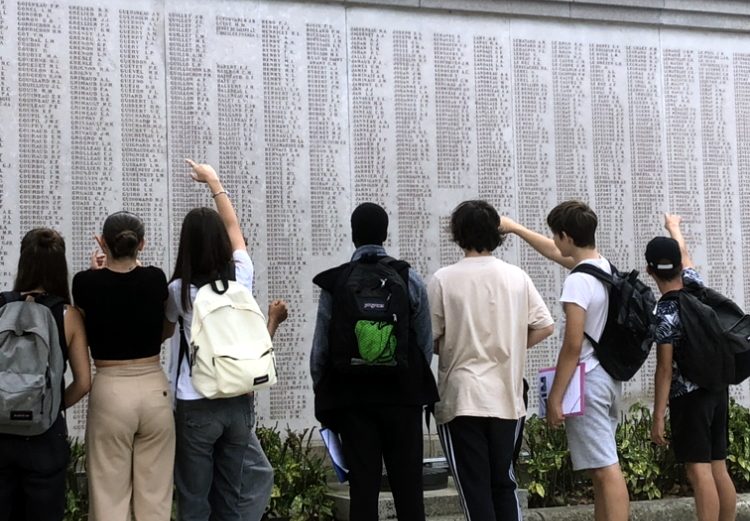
130,428
33,468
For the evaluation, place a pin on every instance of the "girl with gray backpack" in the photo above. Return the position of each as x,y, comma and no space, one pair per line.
34,449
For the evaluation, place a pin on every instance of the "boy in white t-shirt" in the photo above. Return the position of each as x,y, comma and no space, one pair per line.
591,437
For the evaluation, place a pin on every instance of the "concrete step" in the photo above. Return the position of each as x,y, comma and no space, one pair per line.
440,505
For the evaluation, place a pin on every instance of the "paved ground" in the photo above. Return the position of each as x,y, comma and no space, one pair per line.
442,505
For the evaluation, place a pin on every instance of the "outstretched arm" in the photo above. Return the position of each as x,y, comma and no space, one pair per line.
544,245
672,224
206,174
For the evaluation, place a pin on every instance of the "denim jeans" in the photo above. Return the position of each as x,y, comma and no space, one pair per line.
221,472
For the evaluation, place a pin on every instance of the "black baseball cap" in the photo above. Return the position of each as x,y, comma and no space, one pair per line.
663,254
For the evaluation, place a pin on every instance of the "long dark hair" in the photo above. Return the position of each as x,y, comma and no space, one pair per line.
204,252
42,264
123,232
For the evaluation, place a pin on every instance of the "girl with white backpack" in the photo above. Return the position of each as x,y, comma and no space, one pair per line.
221,472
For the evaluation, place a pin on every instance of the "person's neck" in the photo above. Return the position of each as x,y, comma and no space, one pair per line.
123,265
581,254
665,286
475,253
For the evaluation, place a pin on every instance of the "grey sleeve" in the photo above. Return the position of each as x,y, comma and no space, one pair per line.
420,314
319,352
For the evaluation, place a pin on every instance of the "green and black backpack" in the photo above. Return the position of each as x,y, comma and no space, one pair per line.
369,329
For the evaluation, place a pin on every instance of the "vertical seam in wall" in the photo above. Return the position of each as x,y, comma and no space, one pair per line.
349,114
170,218
513,156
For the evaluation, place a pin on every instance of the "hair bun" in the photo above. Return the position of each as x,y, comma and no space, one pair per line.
122,233
125,242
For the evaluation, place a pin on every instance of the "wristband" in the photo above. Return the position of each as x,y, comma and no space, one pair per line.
214,196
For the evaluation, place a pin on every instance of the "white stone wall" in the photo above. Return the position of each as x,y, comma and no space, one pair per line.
308,109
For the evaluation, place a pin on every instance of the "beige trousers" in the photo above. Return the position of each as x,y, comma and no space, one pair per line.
130,444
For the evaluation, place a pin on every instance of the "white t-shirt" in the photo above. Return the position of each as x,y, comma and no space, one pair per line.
243,268
481,310
589,293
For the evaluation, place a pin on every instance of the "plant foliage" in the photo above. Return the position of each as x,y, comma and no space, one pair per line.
299,488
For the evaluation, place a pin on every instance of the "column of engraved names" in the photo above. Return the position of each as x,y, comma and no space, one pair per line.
713,78
741,63
679,77
646,156
237,102
287,246
40,89
608,113
190,135
411,98
327,139
453,118
646,166
369,122
7,173
571,105
453,126
531,105
143,127
91,125
493,124
493,117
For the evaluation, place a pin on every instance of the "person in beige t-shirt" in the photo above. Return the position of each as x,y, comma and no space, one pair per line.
485,314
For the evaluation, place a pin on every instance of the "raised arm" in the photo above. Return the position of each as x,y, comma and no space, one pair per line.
672,224
206,174
542,244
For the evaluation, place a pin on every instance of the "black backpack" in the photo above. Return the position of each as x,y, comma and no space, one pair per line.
369,329
629,331
715,344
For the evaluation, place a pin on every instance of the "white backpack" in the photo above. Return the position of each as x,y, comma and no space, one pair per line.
231,350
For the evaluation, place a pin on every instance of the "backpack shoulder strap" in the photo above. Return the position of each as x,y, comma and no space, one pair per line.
9,296
329,279
670,295
184,353
600,275
590,269
401,267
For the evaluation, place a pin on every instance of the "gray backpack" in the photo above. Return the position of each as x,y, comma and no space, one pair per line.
31,365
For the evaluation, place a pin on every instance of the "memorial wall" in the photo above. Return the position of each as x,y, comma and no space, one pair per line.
306,110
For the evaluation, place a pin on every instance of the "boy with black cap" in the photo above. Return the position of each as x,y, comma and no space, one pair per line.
369,363
698,417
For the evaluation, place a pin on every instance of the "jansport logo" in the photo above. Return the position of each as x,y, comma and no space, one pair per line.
374,306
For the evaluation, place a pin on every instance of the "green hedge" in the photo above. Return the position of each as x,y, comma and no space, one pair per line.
650,471
544,467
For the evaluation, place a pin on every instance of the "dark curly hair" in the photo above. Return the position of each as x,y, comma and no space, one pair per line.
475,226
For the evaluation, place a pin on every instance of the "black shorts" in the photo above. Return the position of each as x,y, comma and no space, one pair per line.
700,421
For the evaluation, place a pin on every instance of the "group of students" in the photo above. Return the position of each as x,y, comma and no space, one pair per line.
144,438
479,316
377,328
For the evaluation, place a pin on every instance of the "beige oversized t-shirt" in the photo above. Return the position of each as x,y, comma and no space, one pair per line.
482,309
